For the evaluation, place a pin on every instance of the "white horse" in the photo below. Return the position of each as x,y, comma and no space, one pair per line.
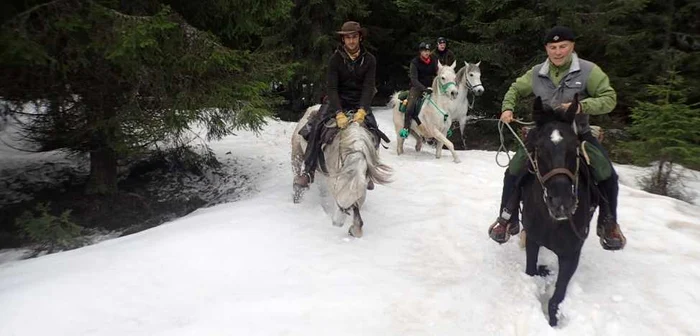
468,80
352,161
435,113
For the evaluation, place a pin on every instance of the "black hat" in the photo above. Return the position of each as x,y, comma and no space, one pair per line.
441,40
423,46
558,34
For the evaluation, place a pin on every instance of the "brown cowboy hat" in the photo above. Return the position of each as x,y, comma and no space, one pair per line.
352,27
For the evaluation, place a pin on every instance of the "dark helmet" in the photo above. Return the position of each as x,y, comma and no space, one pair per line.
424,46
441,40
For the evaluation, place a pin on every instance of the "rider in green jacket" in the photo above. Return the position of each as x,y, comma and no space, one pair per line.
556,81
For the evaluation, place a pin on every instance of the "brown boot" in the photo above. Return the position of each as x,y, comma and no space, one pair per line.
302,180
501,230
611,237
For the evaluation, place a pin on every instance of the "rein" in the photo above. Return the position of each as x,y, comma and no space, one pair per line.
540,178
443,89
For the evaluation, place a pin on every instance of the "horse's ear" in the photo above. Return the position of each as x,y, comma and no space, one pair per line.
440,65
538,111
570,113
478,63
466,64
454,64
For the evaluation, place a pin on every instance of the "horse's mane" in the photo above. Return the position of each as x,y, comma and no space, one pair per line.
349,140
463,71
359,159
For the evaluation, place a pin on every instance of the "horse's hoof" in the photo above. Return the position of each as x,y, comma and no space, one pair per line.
355,231
457,160
542,270
298,193
339,218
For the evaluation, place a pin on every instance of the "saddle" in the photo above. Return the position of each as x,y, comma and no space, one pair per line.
403,105
328,130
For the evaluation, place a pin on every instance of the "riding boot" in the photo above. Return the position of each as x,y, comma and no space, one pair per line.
611,237
507,223
313,147
407,122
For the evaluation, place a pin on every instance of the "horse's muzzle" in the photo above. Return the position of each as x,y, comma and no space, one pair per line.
560,205
453,94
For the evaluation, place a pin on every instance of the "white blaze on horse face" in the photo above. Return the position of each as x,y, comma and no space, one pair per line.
556,137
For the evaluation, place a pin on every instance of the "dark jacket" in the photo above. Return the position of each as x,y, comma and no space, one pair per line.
351,82
446,57
422,74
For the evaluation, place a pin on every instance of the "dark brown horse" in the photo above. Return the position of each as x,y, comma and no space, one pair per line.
557,201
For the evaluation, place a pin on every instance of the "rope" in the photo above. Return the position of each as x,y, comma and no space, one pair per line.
502,138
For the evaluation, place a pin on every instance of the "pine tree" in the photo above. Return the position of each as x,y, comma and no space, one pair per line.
666,132
111,84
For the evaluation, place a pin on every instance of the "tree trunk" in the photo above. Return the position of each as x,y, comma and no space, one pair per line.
103,156
103,171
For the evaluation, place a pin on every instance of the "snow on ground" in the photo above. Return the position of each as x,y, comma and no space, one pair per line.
425,266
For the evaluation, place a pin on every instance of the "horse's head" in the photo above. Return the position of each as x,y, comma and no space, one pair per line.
446,80
472,78
556,157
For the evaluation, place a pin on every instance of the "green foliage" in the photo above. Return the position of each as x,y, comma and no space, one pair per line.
47,230
107,81
666,127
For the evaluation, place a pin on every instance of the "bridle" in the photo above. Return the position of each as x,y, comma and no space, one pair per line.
573,176
470,88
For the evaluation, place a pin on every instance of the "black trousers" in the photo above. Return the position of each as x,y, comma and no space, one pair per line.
412,109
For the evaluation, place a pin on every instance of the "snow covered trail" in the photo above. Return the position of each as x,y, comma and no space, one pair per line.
425,266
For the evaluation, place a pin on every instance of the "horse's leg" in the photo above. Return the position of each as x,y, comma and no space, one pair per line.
419,141
356,228
532,250
567,267
462,125
297,161
398,125
450,146
339,216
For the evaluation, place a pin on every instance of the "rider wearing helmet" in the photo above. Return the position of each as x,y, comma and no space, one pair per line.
444,55
423,69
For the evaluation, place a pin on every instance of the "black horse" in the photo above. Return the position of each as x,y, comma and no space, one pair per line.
558,202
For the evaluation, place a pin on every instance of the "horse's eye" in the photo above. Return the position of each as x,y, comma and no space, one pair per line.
471,75
443,77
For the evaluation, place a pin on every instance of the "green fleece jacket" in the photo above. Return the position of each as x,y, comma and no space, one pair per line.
602,97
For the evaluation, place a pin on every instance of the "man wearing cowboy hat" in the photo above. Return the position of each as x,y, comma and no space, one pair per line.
350,85
556,81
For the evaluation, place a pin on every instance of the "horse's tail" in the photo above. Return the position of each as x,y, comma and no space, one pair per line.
393,100
360,161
